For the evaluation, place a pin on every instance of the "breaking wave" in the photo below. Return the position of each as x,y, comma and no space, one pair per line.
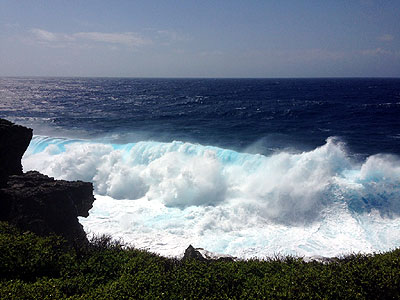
163,196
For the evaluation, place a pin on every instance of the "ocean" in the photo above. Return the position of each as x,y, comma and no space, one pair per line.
244,167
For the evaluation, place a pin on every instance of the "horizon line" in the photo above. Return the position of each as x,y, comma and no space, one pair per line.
194,77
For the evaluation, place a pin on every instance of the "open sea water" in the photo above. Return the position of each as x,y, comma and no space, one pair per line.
245,167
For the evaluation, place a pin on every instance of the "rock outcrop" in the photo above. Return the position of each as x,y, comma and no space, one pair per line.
36,202
204,255
14,139
192,253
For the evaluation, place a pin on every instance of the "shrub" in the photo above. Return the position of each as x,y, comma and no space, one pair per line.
33,267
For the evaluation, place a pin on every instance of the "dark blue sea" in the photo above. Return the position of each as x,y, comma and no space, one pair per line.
245,167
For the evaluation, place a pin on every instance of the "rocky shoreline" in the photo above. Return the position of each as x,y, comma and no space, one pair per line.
33,201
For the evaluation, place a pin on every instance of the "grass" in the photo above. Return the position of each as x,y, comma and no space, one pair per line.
33,267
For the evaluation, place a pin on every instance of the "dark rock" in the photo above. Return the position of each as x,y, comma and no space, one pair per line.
35,202
192,253
14,139
204,255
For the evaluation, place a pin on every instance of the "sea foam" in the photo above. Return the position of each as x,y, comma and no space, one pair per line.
164,196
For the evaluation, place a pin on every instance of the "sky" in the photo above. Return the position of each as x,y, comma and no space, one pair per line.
219,38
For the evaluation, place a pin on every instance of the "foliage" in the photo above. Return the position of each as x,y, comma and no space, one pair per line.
33,267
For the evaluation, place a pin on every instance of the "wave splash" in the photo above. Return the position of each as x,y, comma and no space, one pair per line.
316,202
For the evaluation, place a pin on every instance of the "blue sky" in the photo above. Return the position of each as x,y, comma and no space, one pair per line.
232,38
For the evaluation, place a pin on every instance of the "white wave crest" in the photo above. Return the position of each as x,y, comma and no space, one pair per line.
237,200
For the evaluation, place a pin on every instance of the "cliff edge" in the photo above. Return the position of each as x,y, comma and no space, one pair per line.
36,202
14,139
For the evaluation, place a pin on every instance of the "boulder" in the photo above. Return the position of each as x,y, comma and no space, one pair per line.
204,255
192,253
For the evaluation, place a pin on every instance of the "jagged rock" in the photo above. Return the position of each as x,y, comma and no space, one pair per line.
192,253
14,139
204,255
35,202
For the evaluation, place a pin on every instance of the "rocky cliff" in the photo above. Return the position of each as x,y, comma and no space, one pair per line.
33,201
14,140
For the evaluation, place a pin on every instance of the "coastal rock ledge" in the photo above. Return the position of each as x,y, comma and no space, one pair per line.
14,139
36,202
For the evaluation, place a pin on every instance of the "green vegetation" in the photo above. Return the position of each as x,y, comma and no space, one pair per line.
33,267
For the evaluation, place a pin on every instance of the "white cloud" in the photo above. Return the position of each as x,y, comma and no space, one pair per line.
126,38
53,39
386,37
44,35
